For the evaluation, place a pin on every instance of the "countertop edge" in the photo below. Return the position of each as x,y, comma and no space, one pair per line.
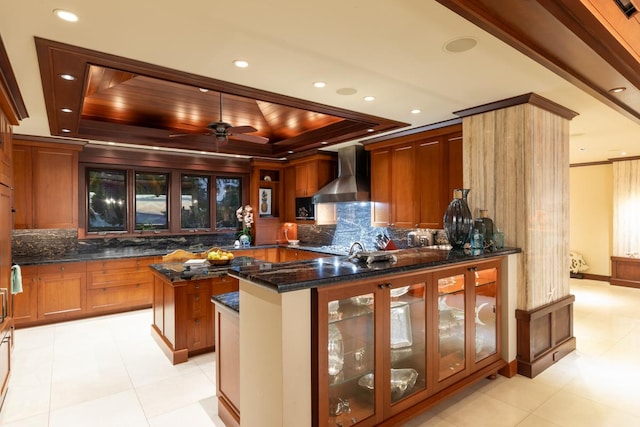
315,283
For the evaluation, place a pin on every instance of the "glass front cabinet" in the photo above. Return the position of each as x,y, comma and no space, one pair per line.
387,344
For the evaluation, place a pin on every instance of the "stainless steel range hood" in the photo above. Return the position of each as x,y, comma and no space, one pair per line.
352,184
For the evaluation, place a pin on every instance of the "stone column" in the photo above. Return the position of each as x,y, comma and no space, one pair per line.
516,163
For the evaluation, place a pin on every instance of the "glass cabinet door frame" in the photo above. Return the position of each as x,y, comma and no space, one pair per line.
398,282
487,265
468,301
320,362
469,272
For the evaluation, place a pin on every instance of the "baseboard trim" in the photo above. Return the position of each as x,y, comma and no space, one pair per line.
510,370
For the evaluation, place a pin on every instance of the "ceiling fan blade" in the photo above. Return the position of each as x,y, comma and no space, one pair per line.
249,138
241,129
180,135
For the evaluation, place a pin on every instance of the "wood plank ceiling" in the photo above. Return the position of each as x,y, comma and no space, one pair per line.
127,101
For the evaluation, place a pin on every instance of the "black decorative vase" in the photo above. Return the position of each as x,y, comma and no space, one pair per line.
457,219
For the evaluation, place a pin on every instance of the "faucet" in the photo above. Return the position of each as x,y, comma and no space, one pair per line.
353,246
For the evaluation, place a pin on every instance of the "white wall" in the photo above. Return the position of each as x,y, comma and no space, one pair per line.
591,215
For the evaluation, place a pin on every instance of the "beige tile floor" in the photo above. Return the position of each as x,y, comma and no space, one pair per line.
108,371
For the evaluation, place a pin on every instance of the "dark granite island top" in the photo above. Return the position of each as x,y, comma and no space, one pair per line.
292,276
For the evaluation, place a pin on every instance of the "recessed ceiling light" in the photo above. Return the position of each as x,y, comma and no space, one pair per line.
319,84
617,89
324,143
65,130
416,111
460,44
111,143
65,15
624,153
203,90
370,130
203,152
290,152
66,110
582,149
369,98
68,77
156,148
240,63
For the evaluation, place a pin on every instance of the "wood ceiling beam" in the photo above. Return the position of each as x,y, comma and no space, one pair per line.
570,38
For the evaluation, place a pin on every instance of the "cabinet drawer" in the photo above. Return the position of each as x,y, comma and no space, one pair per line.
62,268
120,297
224,284
115,264
198,287
120,277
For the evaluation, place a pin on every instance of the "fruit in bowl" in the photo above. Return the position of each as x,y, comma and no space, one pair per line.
219,257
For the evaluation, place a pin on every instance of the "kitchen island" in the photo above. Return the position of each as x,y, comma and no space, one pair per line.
320,339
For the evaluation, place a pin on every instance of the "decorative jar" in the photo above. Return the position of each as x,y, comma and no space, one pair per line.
457,219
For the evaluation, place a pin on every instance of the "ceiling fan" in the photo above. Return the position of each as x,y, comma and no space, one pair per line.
224,131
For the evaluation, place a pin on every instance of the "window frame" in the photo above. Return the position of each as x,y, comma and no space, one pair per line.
173,196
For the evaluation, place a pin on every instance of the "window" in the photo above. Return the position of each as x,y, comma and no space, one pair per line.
152,203
107,200
228,199
194,202
174,201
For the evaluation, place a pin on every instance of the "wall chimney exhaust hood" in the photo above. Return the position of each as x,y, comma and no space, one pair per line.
352,184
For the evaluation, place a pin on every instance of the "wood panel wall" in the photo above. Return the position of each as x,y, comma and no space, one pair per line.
626,205
516,163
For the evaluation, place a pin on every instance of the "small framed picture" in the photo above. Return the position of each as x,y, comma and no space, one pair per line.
265,202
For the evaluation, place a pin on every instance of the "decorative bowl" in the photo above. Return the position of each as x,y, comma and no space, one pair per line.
401,381
219,261
294,242
398,292
366,299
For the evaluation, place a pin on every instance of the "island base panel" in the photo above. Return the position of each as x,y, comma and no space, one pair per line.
175,356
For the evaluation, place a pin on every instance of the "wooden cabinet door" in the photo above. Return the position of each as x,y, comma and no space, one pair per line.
55,188
403,187
25,304
380,187
62,291
6,164
431,182
454,163
22,185
304,178
5,238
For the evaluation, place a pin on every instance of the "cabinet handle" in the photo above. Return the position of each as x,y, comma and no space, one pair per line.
472,268
197,321
381,286
197,286
61,268
197,297
389,285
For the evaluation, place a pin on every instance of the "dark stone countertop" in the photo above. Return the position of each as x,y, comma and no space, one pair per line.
176,272
135,252
291,276
230,300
